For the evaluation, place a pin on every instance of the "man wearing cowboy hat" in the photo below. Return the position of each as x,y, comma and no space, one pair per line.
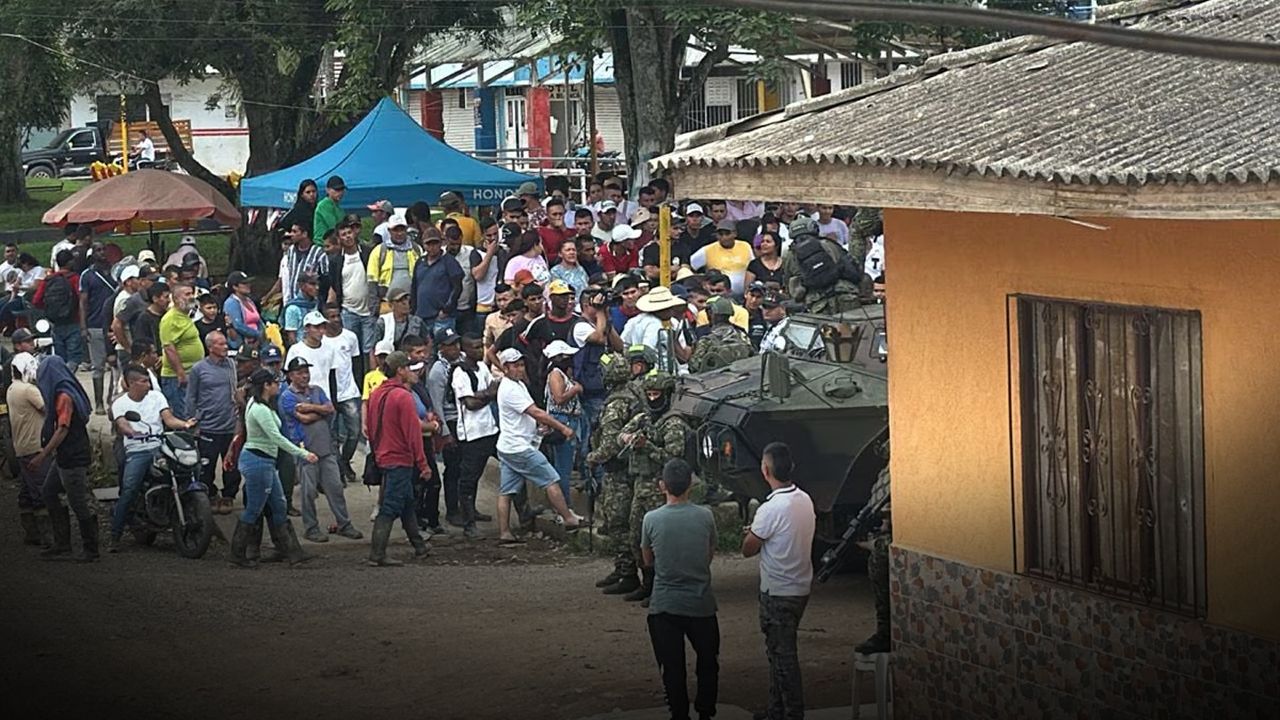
659,310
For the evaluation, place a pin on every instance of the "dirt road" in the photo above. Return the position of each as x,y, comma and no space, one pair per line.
473,632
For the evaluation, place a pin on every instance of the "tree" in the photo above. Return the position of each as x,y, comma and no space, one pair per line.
35,88
649,41
270,55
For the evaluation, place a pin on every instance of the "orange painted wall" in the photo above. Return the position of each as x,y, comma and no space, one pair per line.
949,275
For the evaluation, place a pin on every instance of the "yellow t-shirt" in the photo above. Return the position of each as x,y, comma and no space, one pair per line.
471,234
730,261
372,380
177,329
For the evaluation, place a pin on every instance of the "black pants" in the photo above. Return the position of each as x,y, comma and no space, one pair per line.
452,471
214,448
429,493
667,633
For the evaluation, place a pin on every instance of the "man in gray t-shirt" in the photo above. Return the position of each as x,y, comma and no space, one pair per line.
677,541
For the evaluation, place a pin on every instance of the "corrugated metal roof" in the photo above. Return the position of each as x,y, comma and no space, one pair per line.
1042,109
511,43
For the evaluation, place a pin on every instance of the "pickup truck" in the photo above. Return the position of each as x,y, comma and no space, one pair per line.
71,152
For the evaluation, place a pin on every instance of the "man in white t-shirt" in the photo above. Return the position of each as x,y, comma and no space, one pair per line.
477,431
518,439
141,441
312,347
782,535
381,212
346,397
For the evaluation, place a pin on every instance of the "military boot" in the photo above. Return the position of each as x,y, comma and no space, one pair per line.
627,583
240,540
646,587
879,642
286,542
611,579
30,531
88,539
378,545
60,525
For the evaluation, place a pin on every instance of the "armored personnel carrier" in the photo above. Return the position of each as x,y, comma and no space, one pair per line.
822,388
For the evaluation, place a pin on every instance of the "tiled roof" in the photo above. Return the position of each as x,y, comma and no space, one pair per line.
1031,107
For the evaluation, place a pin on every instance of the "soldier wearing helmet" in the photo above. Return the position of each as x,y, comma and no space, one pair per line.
622,404
653,436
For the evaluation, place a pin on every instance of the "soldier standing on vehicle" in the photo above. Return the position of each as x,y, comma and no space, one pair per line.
653,437
622,404
724,344
819,272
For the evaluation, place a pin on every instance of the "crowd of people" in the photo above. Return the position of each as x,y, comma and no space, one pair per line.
538,335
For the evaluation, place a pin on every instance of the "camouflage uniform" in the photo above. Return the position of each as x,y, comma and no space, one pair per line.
723,345
664,440
878,574
842,295
620,406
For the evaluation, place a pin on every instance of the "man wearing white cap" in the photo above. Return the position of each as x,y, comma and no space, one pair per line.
621,252
606,217
659,310
187,247
391,263
518,440
318,354
697,232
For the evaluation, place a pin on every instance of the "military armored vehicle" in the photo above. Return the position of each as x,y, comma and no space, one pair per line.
822,389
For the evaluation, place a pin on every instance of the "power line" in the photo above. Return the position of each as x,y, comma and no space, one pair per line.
1021,24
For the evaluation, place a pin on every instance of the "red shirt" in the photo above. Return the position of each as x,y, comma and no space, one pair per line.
395,426
552,239
615,258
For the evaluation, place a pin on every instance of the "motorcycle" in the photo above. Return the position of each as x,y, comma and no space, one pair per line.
172,497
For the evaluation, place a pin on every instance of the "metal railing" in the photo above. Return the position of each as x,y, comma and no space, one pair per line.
519,160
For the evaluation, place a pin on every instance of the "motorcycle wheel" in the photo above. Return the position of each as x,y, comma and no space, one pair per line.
193,540
146,538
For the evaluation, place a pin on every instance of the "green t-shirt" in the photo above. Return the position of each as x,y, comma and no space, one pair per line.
178,329
681,537
326,218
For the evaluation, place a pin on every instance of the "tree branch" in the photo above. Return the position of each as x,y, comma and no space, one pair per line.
181,152
698,78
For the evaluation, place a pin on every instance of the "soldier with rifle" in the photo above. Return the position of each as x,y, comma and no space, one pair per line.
623,403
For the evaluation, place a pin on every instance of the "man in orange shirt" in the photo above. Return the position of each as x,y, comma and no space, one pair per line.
455,207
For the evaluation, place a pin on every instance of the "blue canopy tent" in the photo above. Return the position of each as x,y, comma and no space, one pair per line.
387,156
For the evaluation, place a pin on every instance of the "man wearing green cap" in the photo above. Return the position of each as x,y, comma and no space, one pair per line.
723,344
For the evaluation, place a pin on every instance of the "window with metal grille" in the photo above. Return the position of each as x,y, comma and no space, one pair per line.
850,74
748,98
1113,450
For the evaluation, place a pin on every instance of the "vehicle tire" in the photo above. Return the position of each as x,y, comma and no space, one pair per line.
146,538
41,172
193,541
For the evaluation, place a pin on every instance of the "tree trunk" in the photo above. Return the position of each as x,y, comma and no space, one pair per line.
13,184
644,38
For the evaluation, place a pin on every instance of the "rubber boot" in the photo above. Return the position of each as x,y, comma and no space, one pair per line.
646,587
467,507
420,546
378,545
240,540
88,540
60,525
97,396
44,529
286,542
30,531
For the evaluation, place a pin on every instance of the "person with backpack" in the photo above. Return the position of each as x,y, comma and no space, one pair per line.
59,297
440,388
475,390
724,344
819,272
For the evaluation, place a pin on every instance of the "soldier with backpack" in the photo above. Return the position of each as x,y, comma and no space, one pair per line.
819,272
723,344
622,404
59,297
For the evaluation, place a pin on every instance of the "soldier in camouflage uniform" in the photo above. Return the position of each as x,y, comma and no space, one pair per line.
878,571
620,406
654,436
837,297
723,344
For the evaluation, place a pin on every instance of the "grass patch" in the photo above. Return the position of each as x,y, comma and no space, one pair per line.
43,194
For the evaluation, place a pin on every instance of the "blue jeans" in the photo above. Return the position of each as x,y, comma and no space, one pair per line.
364,327
397,495
68,344
136,465
261,487
176,395
434,323
564,454
346,428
